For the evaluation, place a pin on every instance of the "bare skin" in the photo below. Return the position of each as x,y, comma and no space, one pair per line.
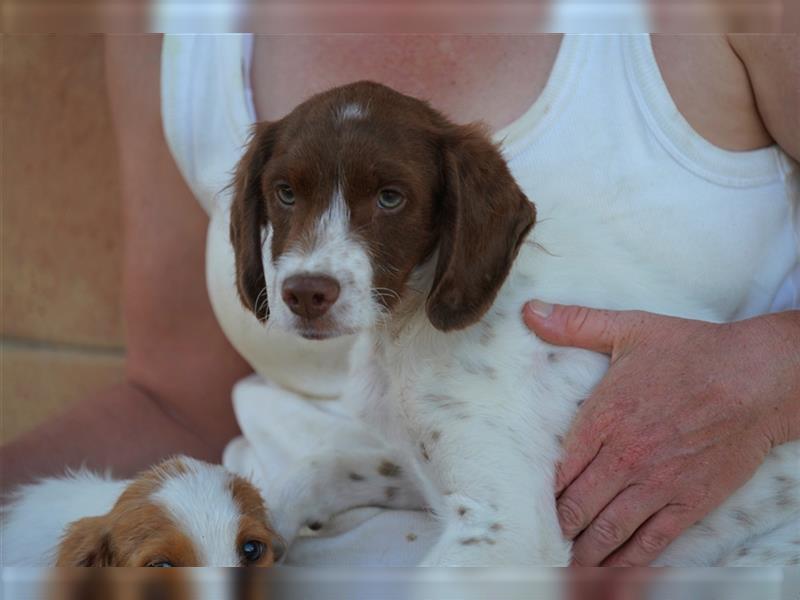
496,78
736,92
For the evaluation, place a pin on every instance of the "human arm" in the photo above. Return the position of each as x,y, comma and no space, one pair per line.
179,367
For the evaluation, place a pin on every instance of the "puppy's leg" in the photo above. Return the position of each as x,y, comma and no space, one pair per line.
344,476
497,504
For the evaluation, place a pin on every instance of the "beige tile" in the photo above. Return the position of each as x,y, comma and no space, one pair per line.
60,193
37,383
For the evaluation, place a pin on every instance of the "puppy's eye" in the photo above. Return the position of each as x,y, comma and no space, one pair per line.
252,550
389,199
160,564
285,194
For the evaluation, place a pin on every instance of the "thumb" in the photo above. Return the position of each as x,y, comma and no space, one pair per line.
592,329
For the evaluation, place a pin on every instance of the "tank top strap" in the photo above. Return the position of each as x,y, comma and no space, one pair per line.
205,107
676,134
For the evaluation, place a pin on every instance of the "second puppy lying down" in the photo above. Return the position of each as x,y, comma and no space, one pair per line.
182,512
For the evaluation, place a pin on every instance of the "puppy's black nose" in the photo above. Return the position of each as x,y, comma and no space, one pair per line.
310,296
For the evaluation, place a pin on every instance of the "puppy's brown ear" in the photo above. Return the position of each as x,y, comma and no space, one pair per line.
249,217
484,220
87,543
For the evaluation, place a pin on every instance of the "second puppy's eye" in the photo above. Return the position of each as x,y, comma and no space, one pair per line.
389,199
285,194
160,564
252,550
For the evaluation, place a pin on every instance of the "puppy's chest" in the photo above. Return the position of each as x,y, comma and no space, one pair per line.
492,375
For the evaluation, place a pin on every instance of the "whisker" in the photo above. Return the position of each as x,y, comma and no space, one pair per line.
391,270
263,292
385,293
539,246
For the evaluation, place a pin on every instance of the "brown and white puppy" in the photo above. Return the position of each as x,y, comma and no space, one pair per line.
366,211
356,188
180,513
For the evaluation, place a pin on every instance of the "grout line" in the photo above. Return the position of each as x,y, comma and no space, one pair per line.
44,346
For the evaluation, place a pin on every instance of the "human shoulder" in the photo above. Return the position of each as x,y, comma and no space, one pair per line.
773,65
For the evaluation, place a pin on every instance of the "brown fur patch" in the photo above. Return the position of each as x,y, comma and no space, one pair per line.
424,451
389,469
743,518
135,533
110,584
254,524
471,541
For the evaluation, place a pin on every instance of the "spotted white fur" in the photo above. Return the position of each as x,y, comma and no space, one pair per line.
475,418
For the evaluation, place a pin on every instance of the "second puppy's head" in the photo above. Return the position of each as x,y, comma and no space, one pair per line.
181,513
337,204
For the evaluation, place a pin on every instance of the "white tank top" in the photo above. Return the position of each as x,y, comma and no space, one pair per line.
604,142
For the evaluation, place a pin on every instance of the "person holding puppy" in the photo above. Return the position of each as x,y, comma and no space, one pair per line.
688,409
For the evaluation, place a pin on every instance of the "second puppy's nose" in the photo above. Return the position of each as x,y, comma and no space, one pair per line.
310,296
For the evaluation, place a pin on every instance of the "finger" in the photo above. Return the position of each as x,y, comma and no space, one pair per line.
598,484
615,525
592,329
580,447
652,538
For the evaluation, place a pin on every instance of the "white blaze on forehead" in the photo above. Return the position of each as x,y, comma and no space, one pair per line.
328,243
201,504
331,249
350,111
334,225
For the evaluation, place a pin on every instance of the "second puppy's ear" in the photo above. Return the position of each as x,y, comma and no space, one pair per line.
87,543
249,217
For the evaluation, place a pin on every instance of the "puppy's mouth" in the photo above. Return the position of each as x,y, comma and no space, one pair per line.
312,334
320,329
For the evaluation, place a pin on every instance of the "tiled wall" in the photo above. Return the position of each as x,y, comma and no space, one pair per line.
61,236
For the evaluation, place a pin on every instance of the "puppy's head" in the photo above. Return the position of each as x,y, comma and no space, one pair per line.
338,203
181,513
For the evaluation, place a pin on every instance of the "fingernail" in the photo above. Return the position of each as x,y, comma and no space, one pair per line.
540,309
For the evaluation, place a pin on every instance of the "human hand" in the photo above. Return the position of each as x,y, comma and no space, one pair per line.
686,413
